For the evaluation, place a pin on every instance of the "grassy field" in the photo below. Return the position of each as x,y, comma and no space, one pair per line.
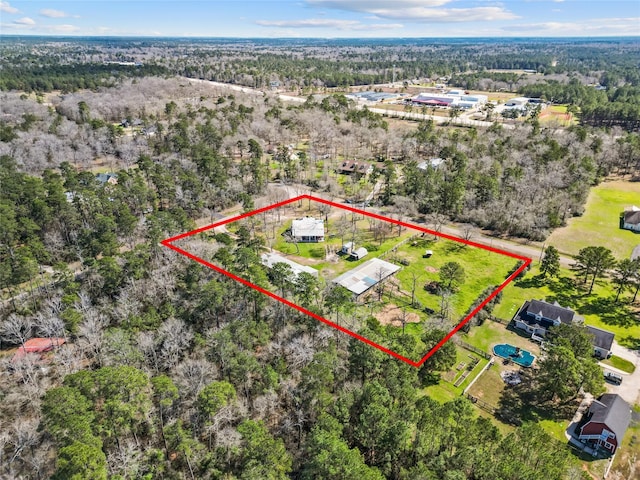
628,454
599,309
482,269
599,225
446,389
491,333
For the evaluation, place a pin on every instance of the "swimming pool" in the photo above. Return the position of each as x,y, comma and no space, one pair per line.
516,355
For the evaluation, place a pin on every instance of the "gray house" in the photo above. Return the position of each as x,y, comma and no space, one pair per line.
536,317
630,219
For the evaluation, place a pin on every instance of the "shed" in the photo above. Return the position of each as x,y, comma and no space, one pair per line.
347,248
359,253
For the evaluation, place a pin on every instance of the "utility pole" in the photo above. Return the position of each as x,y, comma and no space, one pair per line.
393,76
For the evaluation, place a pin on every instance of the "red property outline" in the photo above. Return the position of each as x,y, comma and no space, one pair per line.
169,243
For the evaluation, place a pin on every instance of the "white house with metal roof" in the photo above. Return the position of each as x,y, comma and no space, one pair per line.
308,229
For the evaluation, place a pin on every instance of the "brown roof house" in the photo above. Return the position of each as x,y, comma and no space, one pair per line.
361,168
630,219
606,423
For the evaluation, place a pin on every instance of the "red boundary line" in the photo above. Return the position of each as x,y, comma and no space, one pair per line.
169,243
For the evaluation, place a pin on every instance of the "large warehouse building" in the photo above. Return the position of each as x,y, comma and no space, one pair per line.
451,98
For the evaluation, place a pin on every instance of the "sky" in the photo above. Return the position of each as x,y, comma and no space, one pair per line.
322,18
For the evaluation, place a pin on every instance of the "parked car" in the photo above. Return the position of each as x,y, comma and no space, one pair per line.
613,378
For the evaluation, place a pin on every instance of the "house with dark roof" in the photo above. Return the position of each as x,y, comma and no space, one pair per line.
606,423
537,316
110,178
602,342
630,219
348,167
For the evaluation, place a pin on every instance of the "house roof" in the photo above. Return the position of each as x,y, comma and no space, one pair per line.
38,345
632,216
348,246
434,162
613,411
635,253
360,252
601,338
365,276
351,166
106,177
551,311
307,227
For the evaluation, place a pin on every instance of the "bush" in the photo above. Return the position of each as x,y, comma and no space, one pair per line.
371,247
223,238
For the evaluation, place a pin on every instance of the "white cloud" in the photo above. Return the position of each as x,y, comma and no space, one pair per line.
6,8
328,23
591,27
61,28
50,13
417,11
25,21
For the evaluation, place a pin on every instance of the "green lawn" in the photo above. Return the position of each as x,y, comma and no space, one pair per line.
620,364
599,225
446,390
482,269
599,309
491,333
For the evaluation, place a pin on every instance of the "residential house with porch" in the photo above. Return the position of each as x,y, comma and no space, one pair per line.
537,316
605,423
308,229
630,219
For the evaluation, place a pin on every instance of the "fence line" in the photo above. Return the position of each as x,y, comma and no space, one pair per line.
483,405
499,320
395,247
482,353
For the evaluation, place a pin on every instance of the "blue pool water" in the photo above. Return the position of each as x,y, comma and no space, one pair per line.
523,357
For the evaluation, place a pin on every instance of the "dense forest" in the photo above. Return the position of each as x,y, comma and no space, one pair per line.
312,66
170,370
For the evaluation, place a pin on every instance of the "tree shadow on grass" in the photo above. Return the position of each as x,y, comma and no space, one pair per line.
609,311
536,281
632,343
522,403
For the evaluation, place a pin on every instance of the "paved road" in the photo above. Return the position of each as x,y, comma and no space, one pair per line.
629,389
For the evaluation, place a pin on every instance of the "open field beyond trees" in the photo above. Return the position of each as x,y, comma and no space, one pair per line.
599,309
599,225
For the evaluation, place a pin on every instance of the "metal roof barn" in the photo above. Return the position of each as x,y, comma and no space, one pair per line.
367,275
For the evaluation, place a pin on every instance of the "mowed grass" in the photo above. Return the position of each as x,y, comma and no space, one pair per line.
599,309
482,268
490,333
620,364
600,225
